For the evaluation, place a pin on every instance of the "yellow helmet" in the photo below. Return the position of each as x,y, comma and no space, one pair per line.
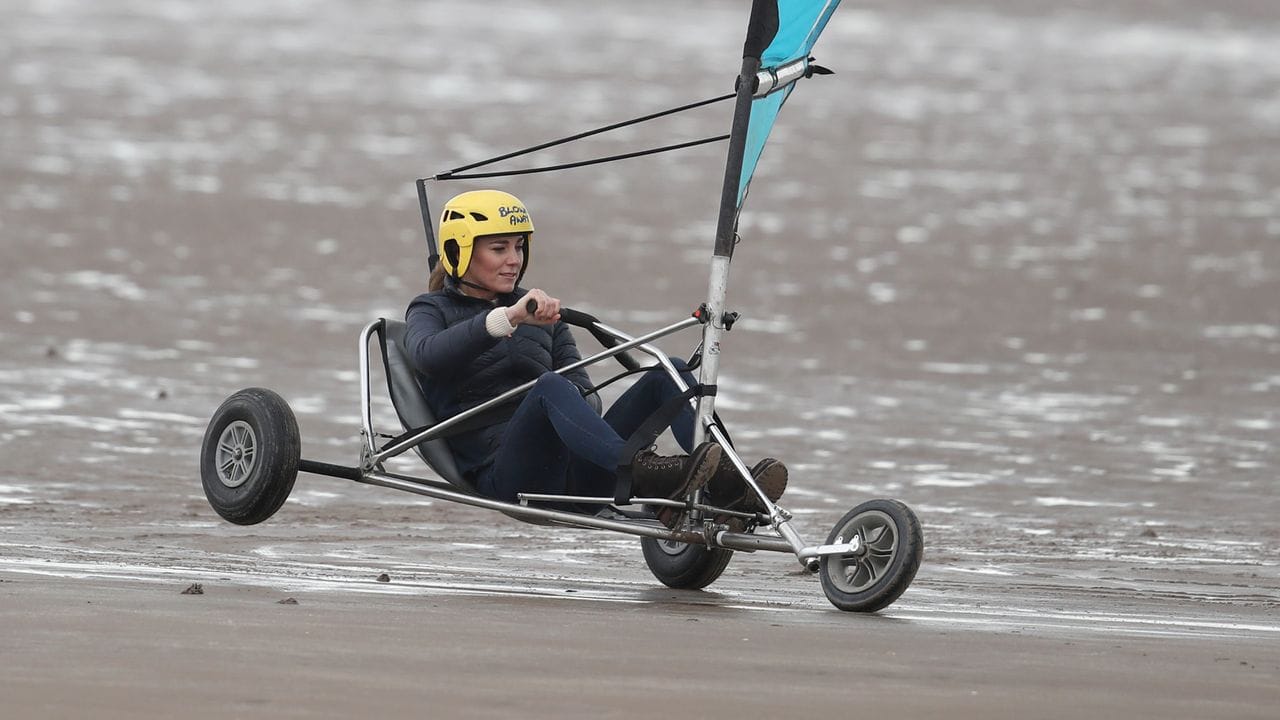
476,214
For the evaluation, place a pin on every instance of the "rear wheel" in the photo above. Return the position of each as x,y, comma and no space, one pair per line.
891,548
684,566
249,458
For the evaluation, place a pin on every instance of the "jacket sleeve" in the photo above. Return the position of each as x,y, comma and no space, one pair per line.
438,350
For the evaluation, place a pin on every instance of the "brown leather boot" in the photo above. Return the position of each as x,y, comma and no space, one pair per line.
727,489
673,477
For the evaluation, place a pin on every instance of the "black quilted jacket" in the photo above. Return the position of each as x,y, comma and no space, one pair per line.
460,365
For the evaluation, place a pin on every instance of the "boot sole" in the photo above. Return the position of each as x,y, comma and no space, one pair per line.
771,476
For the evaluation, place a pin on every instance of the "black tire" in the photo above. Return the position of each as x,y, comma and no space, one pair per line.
249,459
873,579
683,566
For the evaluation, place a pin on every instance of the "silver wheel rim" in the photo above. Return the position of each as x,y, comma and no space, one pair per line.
237,453
879,535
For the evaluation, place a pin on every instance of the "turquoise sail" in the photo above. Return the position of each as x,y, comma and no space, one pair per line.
800,22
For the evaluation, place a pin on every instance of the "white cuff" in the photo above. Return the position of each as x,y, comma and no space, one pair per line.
498,324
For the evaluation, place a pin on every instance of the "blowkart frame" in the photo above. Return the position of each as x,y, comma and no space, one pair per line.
252,454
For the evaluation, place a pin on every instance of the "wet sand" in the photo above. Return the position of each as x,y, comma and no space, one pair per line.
1016,264
124,649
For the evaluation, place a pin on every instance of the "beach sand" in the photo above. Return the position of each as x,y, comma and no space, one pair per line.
1015,264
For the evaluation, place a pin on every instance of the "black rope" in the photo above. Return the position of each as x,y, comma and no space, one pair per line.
446,175
625,373
580,163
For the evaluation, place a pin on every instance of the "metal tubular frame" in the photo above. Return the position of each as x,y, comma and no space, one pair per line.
371,472
376,456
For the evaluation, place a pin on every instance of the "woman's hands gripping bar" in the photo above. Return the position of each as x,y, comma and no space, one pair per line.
536,308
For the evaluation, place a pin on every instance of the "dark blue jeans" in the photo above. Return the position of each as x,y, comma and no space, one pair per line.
556,443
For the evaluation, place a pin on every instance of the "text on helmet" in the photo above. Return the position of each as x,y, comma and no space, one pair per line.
515,214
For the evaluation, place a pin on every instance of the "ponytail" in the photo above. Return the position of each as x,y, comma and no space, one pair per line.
436,281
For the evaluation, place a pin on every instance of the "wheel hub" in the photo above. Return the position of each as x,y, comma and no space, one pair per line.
236,454
857,548
873,542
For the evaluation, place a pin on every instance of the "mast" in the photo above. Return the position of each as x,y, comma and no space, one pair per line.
433,255
761,28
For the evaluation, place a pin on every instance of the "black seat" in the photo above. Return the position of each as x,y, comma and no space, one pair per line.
411,406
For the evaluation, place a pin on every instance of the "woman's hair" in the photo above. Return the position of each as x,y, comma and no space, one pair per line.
436,281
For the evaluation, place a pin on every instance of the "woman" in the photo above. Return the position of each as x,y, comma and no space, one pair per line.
473,337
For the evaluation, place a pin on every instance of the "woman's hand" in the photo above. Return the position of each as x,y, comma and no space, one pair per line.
547,311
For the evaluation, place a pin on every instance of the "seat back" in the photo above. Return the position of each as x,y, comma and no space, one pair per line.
411,406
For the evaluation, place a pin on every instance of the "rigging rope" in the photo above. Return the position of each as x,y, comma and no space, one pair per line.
459,173
580,163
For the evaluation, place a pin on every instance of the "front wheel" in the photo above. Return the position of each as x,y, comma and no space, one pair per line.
249,459
892,546
683,566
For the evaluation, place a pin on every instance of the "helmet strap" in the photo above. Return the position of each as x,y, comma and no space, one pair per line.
477,286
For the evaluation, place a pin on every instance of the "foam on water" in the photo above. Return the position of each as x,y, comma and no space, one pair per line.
161,417
16,495
952,480
1242,332
312,497
1076,502
945,368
